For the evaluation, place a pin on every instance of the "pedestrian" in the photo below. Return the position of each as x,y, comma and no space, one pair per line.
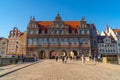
99,58
56,58
83,59
63,59
70,58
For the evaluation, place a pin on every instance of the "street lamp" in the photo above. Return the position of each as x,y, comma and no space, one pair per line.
16,47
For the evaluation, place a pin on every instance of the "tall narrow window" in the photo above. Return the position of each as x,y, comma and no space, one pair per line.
35,32
40,41
55,31
34,41
45,40
29,41
80,31
50,40
86,31
55,40
43,32
65,40
60,31
71,40
30,32
60,40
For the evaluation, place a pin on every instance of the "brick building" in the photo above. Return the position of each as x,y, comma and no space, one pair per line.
3,46
16,42
46,39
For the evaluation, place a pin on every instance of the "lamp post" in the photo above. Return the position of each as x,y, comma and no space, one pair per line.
16,47
105,52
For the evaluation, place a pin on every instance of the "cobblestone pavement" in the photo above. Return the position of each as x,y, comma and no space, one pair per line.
73,70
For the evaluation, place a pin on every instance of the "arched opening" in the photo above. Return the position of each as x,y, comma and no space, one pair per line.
42,54
52,54
63,53
73,54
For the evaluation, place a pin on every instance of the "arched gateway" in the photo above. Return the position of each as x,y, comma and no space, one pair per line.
52,54
42,54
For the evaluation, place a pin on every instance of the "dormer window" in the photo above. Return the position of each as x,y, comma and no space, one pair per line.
73,32
60,31
107,40
35,32
30,32
55,31
43,32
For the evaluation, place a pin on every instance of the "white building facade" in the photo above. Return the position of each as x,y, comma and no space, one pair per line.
107,46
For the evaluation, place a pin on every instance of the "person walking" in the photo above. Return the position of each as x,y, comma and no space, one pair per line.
83,59
63,59
56,58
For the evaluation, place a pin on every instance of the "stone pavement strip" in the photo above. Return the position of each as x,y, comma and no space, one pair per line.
12,68
73,70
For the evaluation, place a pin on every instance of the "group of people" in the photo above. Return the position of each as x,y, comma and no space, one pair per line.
82,58
19,58
65,59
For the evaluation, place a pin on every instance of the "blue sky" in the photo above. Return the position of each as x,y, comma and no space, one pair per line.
16,13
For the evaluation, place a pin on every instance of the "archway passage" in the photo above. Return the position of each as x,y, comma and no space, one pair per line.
73,54
52,54
63,53
42,54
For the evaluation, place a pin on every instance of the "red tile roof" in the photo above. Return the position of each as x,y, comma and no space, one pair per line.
45,23
73,24
116,30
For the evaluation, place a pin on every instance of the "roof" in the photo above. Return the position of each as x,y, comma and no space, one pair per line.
101,38
116,30
73,24
45,23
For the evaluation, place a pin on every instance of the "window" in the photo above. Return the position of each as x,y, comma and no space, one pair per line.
71,40
95,43
86,31
50,40
99,45
80,32
65,32
40,41
76,40
35,32
55,31
60,31
84,40
29,41
118,44
60,41
113,50
43,32
65,40
73,32
30,32
34,41
55,40
45,40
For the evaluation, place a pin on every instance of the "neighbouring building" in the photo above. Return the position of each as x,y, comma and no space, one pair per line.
22,42
117,38
13,41
46,39
115,33
3,46
107,46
